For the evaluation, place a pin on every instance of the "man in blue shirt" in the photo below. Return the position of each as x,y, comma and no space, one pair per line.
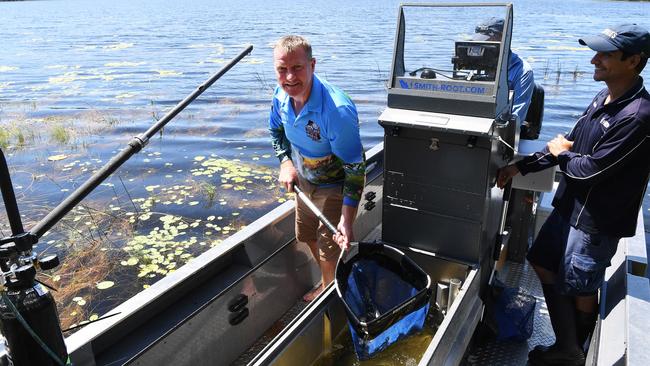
605,162
315,134
520,74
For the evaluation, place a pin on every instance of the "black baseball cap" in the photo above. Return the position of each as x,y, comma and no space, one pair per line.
629,38
488,29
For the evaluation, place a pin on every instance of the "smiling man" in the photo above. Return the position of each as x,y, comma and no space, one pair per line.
315,134
605,161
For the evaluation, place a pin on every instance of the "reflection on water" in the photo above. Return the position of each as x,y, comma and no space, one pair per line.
405,352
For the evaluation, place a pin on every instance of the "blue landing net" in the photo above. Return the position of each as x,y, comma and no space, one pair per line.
386,296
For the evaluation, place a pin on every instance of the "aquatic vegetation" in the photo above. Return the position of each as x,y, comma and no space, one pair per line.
216,61
252,61
58,67
13,135
218,47
22,130
125,95
163,249
85,264
269,86
67,77
57,157
135,236
124,64
105,285
236,173
210,192
60,134
164,73
111,121
133,239
118,46
5,137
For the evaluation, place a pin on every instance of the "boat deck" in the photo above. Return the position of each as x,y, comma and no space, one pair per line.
513,352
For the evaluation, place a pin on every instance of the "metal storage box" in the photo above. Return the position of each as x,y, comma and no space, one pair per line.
439,193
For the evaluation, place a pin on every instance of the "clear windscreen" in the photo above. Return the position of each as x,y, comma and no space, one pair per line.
451,49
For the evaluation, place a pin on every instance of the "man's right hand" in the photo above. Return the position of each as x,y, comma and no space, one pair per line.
288,175
505,174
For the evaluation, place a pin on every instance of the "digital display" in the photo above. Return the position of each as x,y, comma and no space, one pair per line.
475,51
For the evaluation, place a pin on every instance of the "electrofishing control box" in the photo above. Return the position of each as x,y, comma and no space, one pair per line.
447,131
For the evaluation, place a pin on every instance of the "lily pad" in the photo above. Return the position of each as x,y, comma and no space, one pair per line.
105,285
57,157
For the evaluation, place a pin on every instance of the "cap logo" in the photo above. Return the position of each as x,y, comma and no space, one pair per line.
610,33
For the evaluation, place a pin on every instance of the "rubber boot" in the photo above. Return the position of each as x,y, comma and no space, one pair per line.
565,351
585,323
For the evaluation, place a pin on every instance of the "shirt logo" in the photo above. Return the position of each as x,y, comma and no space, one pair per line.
610,33
604,122
312,130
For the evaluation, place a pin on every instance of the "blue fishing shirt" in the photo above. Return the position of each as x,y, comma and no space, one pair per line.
323,140
521,80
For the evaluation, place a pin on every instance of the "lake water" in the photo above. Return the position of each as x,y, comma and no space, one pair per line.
78,79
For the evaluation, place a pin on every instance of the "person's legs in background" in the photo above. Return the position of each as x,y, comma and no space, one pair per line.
546,255
586,257
586,312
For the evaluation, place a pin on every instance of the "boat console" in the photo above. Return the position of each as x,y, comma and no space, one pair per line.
445,137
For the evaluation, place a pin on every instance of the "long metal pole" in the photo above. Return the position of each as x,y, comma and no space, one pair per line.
9,197
315,210
135,145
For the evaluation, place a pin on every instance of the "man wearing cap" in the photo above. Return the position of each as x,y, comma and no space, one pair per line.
520,74
605,162
315,134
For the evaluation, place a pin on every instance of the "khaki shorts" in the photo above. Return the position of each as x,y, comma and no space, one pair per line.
309,229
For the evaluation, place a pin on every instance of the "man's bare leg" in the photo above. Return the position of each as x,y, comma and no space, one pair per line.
327,269
313,293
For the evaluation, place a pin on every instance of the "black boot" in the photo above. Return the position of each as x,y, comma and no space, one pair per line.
565,350
584,327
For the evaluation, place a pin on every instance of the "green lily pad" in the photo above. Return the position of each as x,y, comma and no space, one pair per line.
105,285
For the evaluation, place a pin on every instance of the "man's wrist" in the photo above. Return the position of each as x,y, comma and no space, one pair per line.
283,158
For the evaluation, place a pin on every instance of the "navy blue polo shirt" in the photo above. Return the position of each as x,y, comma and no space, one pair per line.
606,171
